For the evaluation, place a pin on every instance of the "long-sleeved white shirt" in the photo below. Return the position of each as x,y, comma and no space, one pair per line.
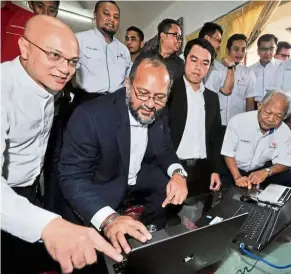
27,112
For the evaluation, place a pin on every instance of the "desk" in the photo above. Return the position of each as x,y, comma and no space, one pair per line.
278,252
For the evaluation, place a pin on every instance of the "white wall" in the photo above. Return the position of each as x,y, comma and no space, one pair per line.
195,14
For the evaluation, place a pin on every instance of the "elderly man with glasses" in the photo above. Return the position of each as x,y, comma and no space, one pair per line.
169,43
118,152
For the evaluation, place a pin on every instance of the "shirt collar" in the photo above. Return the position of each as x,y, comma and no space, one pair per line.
133,122
100,35
188,86
28,82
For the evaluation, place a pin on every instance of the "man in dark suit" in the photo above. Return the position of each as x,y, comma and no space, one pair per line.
118,146
194,120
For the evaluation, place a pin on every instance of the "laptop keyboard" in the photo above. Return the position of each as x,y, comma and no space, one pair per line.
256,222
119,268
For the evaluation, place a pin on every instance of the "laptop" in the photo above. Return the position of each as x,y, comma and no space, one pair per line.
275,194
183,253
265,222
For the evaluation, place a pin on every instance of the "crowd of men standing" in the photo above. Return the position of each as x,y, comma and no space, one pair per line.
91,127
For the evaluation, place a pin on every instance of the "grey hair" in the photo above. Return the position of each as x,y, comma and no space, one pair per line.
286,96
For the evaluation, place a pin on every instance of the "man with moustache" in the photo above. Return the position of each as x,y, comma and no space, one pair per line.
27,102
241,97
194,120
267,66
213,32
126,154
105,61
49,8
261,152
169,42
134,40
283,51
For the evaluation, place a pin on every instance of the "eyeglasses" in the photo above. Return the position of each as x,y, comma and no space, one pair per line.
55,57
267,49
216,39
177,35
159,99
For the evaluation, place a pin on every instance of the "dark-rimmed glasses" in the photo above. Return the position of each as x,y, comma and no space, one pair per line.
159,98
177,35
216,39
56,57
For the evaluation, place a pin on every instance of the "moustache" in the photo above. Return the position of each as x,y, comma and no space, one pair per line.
146,108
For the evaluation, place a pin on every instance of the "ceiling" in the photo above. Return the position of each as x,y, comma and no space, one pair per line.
79,14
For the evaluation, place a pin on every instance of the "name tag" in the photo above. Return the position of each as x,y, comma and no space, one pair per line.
241,82
92,48
245,141
120,55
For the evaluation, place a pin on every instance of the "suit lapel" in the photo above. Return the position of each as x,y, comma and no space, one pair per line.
123,132
179,110
207,115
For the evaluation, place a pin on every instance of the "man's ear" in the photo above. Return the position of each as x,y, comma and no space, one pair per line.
23,46
127,82
259,106
142,44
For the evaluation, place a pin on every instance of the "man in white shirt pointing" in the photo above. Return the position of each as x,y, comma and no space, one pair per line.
49,55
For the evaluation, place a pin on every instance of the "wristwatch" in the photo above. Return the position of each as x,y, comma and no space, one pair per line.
269,171
181,172
231,67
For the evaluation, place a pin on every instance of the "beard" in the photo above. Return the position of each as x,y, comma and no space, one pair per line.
109,32
134,111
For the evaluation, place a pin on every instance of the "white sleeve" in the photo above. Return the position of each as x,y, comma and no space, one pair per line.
230,141
100,216
283,154
18,216
215,80
251,88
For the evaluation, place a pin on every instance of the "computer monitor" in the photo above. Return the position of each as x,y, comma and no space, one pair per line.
184,253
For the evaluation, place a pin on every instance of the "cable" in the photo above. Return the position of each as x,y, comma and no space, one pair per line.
246,269
255,257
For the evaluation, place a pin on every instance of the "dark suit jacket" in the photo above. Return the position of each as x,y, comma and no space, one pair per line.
95,156
177,106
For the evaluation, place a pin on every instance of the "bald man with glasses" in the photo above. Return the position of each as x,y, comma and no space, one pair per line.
49,56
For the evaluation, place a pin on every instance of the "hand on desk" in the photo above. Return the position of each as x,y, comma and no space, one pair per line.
176,190
255,178
215,182
122,225
75,246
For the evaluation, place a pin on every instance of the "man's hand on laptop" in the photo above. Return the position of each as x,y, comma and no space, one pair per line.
176,190
115,231
243,182
258,177
74,246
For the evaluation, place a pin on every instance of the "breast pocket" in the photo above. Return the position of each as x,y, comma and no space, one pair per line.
244,151
92,59
241,88
268,154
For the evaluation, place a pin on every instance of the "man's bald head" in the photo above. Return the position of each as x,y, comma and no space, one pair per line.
46,40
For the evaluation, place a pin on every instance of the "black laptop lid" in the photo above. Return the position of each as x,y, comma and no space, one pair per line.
187,252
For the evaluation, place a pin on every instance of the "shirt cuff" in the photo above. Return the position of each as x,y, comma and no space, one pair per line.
173,167
100,216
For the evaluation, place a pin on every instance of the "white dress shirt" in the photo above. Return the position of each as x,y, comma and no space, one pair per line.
104,66
27,112
244,87
264,77
282,79
193,142
138,145
251,148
